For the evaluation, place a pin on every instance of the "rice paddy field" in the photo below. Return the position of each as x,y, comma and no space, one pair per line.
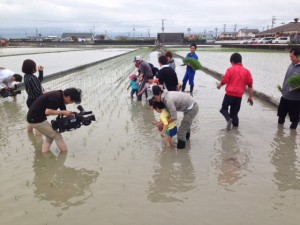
268,68
117,170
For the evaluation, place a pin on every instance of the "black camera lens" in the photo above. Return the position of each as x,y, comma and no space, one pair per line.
80,108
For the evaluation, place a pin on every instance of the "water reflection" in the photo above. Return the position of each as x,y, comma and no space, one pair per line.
285,160
142,118
173,176
11,118
232,157
62,186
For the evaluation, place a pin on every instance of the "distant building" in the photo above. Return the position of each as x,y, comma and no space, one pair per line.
101,37
228,36
191,36
291,30
79,37
170,38
3,42
247,33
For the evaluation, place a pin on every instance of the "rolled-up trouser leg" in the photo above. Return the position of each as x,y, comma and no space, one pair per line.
186,122
46,129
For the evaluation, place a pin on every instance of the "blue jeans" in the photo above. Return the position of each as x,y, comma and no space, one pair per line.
133,91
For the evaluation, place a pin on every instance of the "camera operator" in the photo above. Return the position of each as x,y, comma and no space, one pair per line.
7,77
46,105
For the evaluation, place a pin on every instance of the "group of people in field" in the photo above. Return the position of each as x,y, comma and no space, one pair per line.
41,104
167,96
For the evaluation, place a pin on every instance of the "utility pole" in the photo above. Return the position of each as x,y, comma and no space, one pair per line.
224,28
234,27
133,31
273,21
216,33
163,32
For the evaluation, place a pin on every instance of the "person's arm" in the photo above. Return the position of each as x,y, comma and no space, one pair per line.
171,119
220,85
144,89
250,88
41,73
224,79
250,99
54,112
163,131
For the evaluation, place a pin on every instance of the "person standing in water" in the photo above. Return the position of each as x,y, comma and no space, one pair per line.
190,72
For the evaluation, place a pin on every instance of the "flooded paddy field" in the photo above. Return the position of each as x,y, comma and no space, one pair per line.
117,170
268,68
57,59
10,51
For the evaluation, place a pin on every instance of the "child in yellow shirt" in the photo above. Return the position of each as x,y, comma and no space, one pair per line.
169,130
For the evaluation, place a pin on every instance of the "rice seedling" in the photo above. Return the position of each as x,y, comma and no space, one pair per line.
192,62
294,81
279,88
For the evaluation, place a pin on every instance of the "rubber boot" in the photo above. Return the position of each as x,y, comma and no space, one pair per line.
294,125
191,88
183,87
187,136
180,144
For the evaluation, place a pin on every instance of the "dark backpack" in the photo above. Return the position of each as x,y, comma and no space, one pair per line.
154,69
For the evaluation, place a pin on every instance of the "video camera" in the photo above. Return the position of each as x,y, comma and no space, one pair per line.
73,122
10,92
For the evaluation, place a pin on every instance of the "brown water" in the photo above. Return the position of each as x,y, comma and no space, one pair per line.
118,172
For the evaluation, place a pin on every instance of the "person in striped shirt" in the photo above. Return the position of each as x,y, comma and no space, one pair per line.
33,85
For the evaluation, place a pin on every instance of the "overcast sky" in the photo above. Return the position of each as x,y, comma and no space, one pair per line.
140,17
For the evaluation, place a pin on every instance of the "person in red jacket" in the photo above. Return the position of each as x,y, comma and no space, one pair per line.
236,79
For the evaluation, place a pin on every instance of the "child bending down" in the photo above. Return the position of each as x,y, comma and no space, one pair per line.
148,89
169,130
134,84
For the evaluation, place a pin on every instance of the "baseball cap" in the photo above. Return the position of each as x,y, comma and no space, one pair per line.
156,90
137,58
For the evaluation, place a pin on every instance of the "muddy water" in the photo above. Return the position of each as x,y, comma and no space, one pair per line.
118,172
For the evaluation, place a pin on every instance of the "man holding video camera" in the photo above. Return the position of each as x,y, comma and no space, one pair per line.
46,105
7,77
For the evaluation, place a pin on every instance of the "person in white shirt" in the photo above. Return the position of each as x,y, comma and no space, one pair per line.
7,77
